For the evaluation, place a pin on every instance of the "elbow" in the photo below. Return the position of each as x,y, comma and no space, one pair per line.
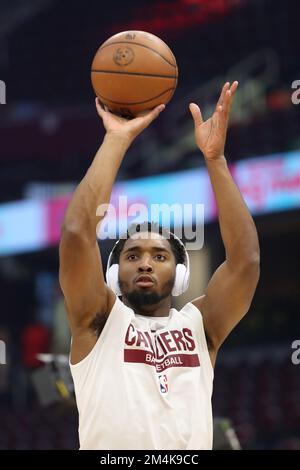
246,264
70,227
72,231
244,260
250,266
253,259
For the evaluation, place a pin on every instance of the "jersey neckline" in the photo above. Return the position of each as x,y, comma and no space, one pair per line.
155,318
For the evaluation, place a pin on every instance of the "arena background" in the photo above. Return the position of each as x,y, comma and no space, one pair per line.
49,132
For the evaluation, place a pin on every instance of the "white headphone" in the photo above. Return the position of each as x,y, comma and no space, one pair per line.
182,274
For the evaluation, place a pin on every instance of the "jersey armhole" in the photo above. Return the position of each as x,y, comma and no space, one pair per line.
101,336
197,317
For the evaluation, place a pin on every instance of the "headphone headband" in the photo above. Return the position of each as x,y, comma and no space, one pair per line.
182,270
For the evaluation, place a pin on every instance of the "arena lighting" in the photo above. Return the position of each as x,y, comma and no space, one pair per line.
176,17
268,184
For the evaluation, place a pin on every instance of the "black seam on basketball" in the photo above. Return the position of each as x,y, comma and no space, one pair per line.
137,102
175,83
174,88
135,73
142,45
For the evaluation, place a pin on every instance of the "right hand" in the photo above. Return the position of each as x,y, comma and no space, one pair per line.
122,127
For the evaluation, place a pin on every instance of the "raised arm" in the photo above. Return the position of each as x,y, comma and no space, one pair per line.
231,288
81,274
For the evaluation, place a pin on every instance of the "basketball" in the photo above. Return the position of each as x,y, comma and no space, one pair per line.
134,71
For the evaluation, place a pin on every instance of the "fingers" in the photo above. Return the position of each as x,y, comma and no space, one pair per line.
156,111
104,110
223,94
224,105
228,97
149,116
99,106
234,87
139,123
196,113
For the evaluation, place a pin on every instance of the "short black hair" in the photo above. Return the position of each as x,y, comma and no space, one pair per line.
151,227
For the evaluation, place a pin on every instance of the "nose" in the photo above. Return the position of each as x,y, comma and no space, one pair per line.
145,265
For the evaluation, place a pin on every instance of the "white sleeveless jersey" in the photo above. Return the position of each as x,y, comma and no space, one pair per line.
146,384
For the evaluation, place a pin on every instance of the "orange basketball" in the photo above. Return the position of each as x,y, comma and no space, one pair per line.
134,71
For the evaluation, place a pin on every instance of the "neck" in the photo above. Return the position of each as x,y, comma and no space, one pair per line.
161,309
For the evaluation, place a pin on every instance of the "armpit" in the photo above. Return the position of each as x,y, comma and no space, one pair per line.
210,345
98,323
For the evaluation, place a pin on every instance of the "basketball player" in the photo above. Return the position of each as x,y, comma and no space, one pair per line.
142,370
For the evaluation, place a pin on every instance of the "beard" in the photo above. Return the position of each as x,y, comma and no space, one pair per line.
139,298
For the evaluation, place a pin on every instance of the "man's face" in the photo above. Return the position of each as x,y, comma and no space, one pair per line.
146,269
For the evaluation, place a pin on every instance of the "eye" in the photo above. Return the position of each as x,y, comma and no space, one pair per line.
160,257
132,257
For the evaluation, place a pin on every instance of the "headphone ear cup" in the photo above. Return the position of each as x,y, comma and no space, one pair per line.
181,280
112,278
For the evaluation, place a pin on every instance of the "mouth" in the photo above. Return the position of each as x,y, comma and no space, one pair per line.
144,281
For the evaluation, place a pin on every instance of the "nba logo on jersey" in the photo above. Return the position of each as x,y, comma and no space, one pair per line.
163,382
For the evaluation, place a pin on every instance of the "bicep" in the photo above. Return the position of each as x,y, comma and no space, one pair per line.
227,299
81,278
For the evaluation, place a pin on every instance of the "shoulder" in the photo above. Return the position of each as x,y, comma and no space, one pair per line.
193,309
198,302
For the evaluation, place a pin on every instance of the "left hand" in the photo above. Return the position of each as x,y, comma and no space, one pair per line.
210,135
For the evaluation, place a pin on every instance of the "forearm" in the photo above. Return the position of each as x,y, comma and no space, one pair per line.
96,187
237,227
